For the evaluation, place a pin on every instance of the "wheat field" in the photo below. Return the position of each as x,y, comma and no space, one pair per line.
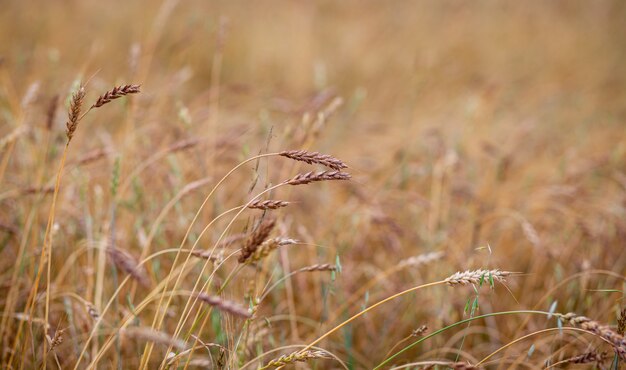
190,184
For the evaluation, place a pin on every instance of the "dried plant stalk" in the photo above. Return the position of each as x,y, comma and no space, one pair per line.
268,204
294,357
305,178
224,305
474,277
314,158
257,238
116,92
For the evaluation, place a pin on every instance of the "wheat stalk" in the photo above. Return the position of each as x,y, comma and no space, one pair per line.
148,334
294,357
267,247
603,331
256,239
319,267
314,158
224,305
421,259
73,114
587,357
268,204
475,277
305,178
127,263
115,93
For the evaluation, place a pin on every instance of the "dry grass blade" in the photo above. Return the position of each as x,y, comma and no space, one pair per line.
268,204
224,305
257,238
116,92
127,263
293,358
305,178
73,114
315,158
475,277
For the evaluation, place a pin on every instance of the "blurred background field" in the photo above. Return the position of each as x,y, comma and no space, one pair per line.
494,132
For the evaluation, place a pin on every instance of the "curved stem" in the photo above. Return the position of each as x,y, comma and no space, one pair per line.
369,309
158,319
457,324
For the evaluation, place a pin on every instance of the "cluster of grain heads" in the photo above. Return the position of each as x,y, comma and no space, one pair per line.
56,340
116,92
617,341
293,358
258,236
268,204
225,306
127,263
477,276
267,247
305,178
314,158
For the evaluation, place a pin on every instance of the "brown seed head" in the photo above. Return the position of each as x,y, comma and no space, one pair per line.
127,263
116,92
617,340
257,237
305,178
268,204
315,158
224,305
73,114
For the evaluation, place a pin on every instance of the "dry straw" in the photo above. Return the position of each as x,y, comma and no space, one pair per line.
225,306
305,178
293,358
314,158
